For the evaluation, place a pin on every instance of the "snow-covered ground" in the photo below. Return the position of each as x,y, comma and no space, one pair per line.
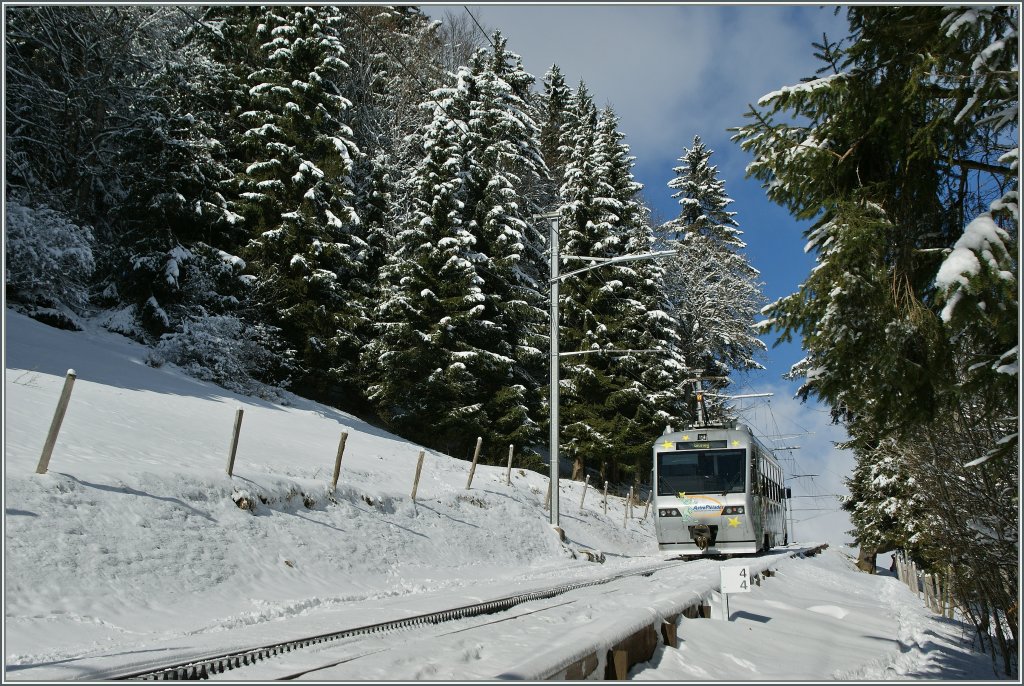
133,542
821,619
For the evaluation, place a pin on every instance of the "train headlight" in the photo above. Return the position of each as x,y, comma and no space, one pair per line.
669,512
733,510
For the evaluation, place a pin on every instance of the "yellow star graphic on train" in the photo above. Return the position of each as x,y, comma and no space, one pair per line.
666,444
734,522
686,438
735,443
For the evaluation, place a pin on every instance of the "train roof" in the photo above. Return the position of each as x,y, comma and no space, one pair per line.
691,433
681,434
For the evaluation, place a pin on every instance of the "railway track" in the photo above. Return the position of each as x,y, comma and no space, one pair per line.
209,666
212,666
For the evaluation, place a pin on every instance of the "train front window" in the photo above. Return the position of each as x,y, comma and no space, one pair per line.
701,471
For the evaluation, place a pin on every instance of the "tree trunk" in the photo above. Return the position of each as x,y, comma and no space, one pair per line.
866,559
577,469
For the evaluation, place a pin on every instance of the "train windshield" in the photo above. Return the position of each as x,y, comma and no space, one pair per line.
701,471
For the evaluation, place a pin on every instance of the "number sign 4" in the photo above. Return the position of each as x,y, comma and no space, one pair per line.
735,579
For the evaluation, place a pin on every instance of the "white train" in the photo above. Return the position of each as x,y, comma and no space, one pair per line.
717,491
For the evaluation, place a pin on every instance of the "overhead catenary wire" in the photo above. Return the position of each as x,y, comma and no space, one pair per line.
811,486
482,31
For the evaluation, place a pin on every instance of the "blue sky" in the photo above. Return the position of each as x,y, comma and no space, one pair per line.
675,71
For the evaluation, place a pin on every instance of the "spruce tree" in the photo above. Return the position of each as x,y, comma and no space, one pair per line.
430,295
585,306
613,400
293,160
506,173
714,293
551,106
457,355
389,68
903,154
702,199
650,368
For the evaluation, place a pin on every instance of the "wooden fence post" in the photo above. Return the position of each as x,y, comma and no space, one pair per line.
606,497
625,509
508,473
949,593
939,591
647,506
58,419
547,498
416,479
476,456
586,482
337,460
234,441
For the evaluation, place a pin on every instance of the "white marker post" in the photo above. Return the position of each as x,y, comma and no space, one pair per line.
734,580
508,473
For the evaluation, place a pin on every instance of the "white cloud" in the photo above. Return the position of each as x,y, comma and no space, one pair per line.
670,71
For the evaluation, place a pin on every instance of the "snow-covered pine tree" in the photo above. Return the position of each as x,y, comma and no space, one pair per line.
462,306
503,188
884,503
605,407
430,295
175,222
550,106
294,157
702,199
388,50
649,392
713,291
586,306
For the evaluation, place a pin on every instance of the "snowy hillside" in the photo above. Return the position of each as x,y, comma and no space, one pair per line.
133,533
132,544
